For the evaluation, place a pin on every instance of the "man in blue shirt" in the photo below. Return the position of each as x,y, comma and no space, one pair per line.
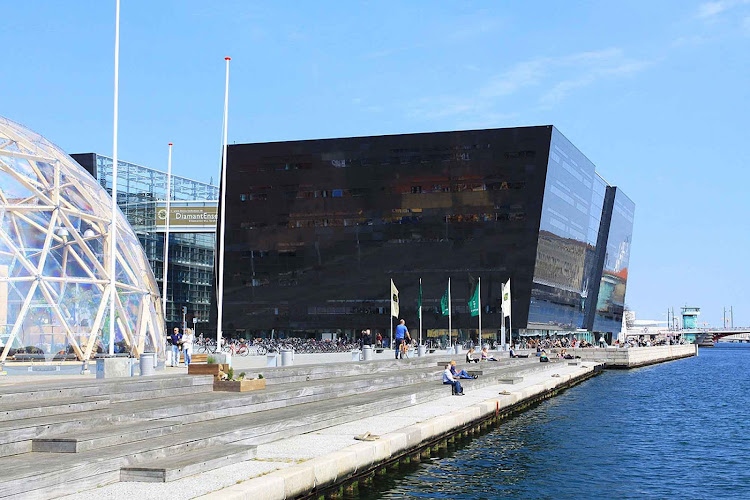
176,339
401,332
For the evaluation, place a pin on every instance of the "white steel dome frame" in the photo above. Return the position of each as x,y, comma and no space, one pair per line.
55,244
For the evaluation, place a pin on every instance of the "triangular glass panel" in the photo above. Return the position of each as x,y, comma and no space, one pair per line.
13,190
21,167
73,196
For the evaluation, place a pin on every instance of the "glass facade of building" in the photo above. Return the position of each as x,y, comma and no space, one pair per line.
141,194
568,233
316,230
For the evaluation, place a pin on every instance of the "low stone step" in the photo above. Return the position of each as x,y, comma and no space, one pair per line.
510,380
138,387
58,406
187,464
111,435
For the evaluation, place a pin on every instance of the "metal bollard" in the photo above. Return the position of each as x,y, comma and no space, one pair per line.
367,353
421,351
355,355
147,363
271,359
287,357
458,349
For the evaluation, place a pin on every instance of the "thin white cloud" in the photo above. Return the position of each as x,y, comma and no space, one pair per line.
552,78
710,10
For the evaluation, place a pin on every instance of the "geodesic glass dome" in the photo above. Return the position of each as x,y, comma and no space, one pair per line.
55,260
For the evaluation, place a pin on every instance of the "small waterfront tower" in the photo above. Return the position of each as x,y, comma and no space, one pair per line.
690,317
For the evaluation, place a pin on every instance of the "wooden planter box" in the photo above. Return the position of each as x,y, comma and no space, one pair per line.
206,369
239,385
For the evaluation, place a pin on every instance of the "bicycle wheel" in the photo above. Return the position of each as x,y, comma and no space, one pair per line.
243,350
262,351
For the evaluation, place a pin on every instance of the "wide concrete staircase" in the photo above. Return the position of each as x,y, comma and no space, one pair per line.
62,437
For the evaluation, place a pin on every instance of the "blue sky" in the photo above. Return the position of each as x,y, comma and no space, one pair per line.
654,93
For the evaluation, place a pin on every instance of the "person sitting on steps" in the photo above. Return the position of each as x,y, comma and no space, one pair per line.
470,358
487,357
461,374
448,379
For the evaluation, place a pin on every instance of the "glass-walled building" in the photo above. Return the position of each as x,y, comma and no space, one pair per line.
142,194
317,229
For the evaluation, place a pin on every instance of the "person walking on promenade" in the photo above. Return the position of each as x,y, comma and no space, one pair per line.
367,340
187,345
449,379
379,340
176,339
401,333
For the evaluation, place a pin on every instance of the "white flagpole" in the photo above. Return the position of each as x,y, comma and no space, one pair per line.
479,296
390,319
113,228
502,312
220,294
450,324
166,236
420,311
510,313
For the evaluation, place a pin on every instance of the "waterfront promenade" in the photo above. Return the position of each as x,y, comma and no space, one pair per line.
82,436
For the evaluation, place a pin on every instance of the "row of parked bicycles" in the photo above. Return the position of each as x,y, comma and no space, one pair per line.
261,347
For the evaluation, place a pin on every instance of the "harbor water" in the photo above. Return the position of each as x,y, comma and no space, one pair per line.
675,430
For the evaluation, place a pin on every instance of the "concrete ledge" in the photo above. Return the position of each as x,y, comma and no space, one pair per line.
328,470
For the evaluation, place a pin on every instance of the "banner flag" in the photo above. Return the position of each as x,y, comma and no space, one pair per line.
445,306
394,300
506,299
474,302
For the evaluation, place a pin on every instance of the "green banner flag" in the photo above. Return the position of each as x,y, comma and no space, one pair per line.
445,306
419,299
474,302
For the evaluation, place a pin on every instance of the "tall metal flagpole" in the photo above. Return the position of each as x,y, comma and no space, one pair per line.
479,296
113,228
420,312
450,324
166,235
220,294
510,313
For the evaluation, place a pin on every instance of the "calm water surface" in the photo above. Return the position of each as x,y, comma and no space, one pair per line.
675,430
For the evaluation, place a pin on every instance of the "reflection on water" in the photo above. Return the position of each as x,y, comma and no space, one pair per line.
674,430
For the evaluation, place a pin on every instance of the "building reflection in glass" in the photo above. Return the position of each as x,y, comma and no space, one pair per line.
316,230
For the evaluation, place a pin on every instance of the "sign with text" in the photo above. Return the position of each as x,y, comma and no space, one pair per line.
187,216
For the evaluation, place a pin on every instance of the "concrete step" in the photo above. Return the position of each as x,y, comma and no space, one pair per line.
205,406
137,387
16,435
302,373
186,464
110,435
57,406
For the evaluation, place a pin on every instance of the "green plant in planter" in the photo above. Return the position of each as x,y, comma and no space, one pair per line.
241,376
210,360
260,375
230,373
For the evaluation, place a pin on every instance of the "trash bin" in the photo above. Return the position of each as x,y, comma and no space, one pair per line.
458,349
271,359
421,351
367,353
287,357
147,363
355,354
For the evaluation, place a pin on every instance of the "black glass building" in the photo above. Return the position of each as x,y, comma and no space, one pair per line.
317,229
